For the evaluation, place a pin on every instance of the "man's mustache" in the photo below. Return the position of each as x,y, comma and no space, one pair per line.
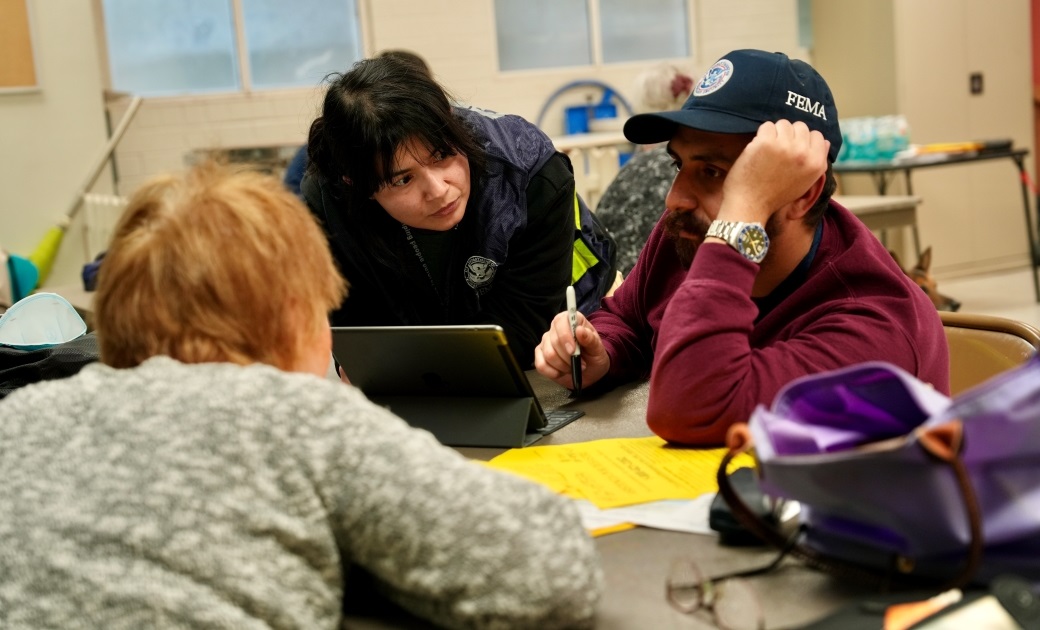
679,221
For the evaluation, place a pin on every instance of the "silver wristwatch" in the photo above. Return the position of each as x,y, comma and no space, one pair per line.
749,239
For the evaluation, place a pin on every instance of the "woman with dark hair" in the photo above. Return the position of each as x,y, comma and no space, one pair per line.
297,165
440,214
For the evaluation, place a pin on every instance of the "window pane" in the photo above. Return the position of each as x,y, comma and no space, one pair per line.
157,47
542,33
634,30
298,43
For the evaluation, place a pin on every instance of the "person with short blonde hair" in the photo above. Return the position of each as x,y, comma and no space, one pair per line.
206,474
214,266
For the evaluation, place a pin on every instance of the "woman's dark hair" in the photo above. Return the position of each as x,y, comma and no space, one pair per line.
408,56
371,111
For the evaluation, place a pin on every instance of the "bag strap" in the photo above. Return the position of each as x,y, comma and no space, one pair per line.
942,443
773,536
945,443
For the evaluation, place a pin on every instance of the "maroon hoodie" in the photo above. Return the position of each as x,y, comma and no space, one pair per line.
712,359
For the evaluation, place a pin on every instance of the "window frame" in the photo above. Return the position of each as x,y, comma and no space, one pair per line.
241,55
592,8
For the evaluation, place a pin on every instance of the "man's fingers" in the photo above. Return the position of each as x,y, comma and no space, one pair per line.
819,143
586,336
543,366
554,349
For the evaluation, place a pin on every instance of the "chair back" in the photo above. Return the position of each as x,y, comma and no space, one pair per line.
982,346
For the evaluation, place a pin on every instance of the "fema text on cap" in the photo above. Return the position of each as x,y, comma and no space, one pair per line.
806,104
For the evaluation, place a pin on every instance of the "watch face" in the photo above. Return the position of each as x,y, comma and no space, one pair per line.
753,243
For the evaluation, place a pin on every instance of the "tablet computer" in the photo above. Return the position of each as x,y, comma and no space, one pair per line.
465,376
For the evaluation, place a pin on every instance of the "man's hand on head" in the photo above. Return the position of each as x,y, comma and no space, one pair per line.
778,166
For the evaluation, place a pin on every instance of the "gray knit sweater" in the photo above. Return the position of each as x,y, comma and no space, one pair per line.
219,496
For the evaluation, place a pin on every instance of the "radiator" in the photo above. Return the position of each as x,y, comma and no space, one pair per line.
100,215
594,168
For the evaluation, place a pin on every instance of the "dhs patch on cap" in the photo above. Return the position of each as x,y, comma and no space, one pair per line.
743,90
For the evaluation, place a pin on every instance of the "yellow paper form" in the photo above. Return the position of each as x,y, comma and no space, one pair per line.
621,471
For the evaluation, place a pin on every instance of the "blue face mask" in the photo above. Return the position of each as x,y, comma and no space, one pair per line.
39,321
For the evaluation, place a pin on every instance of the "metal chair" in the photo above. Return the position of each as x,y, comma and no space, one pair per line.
982,346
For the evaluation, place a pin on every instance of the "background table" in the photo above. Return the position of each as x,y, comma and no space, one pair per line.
883,212
883,172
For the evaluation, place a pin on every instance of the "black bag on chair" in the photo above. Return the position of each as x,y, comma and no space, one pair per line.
19,368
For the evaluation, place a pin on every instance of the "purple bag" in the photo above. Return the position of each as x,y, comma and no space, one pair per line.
896,480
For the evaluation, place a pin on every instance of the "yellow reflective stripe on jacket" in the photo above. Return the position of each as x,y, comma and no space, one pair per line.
584,258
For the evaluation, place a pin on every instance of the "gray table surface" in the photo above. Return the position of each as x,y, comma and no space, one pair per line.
636,562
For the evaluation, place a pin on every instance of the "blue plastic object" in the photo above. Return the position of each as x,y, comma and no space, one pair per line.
578,117
23,274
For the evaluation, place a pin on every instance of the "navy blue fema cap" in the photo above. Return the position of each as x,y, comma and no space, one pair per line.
743,90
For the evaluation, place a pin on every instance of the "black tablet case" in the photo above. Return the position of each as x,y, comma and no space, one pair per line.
460,383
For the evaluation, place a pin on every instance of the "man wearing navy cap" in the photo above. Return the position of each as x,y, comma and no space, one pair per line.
754,276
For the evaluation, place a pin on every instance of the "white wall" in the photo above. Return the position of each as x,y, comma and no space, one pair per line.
460,47
913,57
973,214
457,38
50,139
854,49
897,55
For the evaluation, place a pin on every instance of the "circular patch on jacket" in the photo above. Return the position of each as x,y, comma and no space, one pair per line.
480,271
714,78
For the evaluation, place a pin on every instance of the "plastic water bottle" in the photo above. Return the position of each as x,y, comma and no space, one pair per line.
902,137
886,134
862,139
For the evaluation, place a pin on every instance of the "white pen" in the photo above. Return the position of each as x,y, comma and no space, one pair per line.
572,313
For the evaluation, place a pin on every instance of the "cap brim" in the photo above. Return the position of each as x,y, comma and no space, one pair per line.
659,127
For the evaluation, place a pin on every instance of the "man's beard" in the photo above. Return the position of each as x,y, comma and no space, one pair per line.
688,222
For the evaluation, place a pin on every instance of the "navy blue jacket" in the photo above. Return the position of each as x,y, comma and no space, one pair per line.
511,257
